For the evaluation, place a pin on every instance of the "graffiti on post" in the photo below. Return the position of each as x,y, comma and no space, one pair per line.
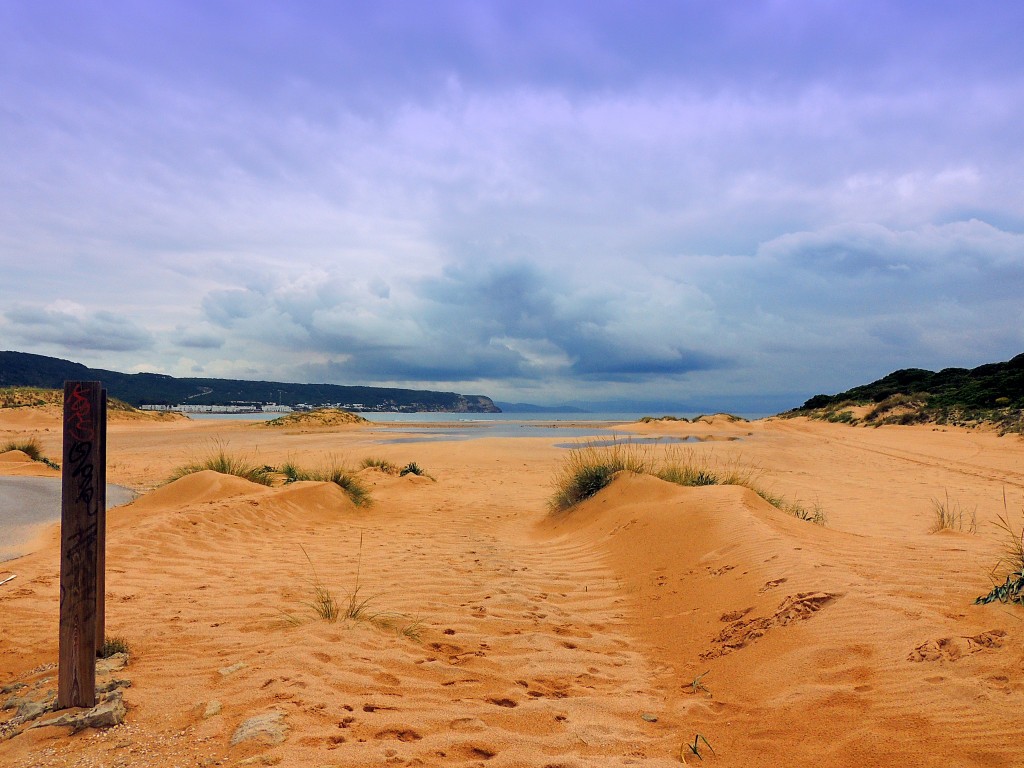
83,502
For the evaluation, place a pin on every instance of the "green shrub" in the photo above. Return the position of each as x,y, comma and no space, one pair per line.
412,468
1011,559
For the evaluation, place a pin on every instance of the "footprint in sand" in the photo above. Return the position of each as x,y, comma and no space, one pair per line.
399,734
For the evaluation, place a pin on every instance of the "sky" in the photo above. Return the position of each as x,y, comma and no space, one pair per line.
700,203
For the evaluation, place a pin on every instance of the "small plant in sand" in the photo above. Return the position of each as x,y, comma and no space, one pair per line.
1011,559
694,748
112,645
412,468
219,459
949,515
32,448
385,466
698,684
588,468
354,607
332,472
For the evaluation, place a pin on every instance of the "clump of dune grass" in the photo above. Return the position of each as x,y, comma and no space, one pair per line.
332,472
412,468
950,515
219,459
588,468
29,446
374,462
354,607
1011,559
32,448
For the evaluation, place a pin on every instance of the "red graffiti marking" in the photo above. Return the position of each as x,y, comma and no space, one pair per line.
80,416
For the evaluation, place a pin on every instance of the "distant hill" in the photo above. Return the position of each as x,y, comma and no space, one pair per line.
21,369
992,393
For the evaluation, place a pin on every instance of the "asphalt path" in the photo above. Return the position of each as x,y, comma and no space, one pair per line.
26,502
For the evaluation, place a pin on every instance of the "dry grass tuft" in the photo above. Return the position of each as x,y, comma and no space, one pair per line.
220,460
332,472
949,515
588,468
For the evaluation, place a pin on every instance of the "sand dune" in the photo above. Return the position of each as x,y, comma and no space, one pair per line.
611,634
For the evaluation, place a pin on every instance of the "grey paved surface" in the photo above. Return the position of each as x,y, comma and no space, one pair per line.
28,501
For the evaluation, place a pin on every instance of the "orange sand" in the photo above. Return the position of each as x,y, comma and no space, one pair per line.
568,640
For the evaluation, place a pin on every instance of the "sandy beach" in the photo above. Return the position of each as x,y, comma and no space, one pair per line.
650,618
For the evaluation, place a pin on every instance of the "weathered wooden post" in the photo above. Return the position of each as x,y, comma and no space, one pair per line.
83,512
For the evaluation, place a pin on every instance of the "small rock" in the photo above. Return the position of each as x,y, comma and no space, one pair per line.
30,710
12,687
104,715
648,717
14,702
268,728
112,685
212,709
225,671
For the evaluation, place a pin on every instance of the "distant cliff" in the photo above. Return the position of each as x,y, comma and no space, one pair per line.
21,369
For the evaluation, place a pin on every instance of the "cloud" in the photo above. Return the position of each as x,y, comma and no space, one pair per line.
75,328
492,321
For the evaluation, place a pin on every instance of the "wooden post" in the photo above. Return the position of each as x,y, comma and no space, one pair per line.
83,496
101,530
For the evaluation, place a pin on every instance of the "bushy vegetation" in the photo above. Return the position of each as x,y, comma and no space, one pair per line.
412,468
332,472
589,468
989,394
32,448
219,459
385,466
1011,559
31,397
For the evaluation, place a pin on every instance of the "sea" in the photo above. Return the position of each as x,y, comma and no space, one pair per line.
435,427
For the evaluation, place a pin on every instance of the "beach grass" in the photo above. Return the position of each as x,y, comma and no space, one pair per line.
412,468
589,467
112,645
32,448
334,471
219,459
374,462
29,446
355,606
950,515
